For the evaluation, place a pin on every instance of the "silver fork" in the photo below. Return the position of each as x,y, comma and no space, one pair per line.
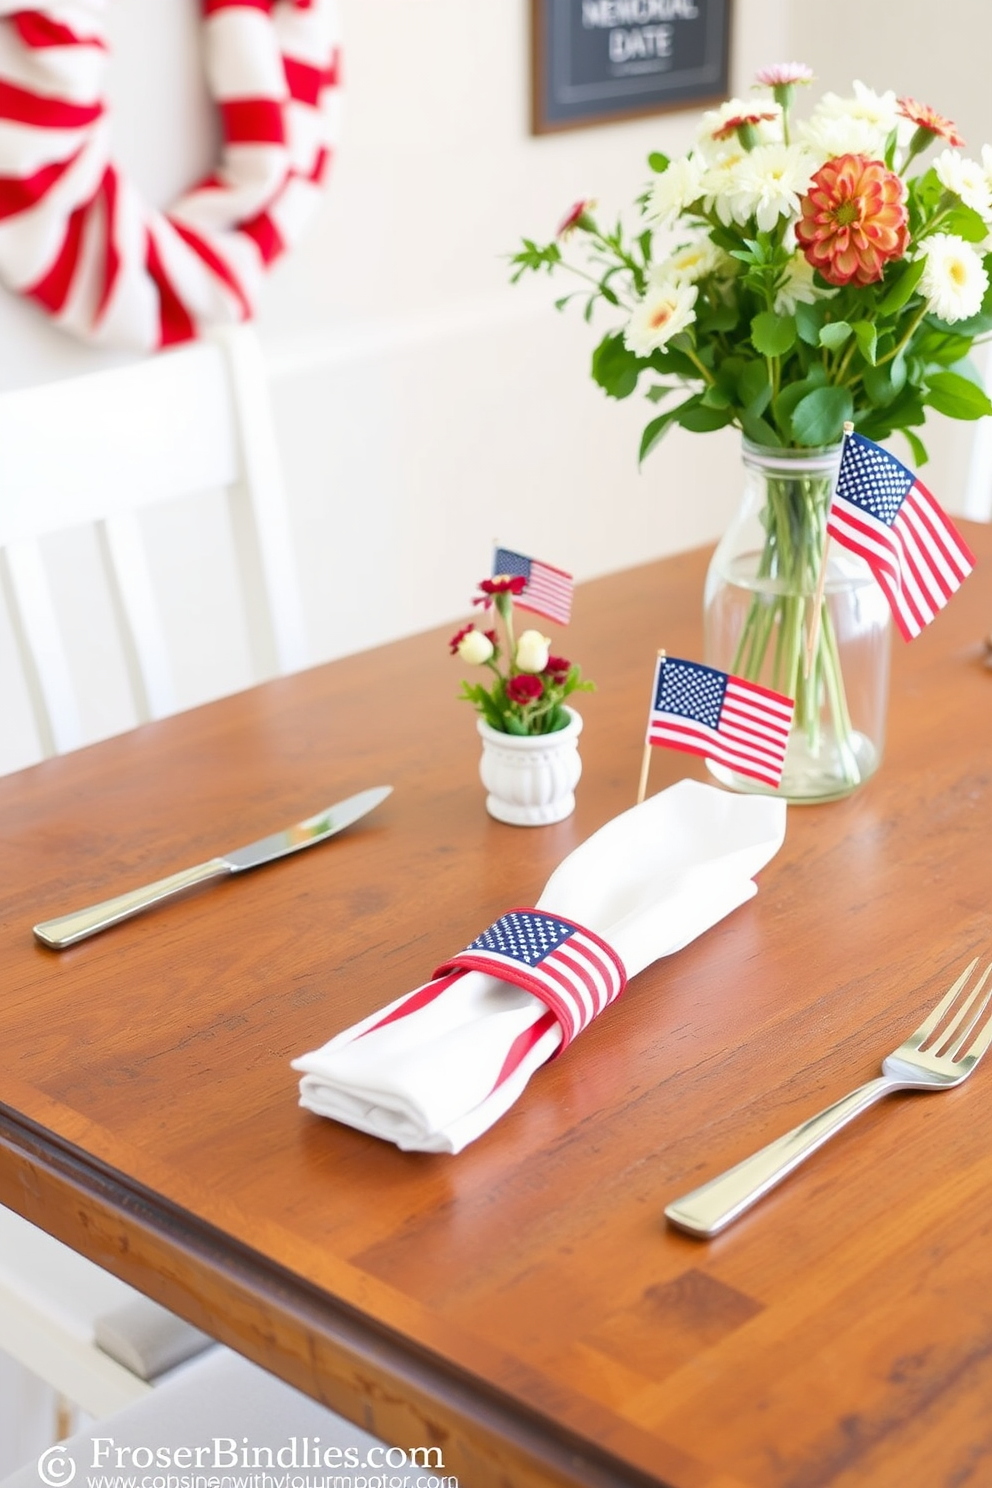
941,1053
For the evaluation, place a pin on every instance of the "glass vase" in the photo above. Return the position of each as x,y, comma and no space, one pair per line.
760,592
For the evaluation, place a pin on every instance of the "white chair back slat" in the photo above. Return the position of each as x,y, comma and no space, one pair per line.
146,652
39,639
96,451
261,530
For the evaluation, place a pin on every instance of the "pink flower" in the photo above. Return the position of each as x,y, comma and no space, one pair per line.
577,216
927,119
524,689
784,75
730,127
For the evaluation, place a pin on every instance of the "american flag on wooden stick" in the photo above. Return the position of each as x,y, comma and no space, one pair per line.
548,591
722,717
883,511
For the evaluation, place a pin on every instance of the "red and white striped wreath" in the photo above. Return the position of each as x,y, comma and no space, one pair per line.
75,236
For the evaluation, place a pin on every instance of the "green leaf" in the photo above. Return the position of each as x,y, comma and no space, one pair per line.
614,367
754,386
721,318
903,282
956,396
809,319
699,419
819,418
835,333
759,430
793,393
658,162
773,335
655,431
867,336
966,223
920,456
716,397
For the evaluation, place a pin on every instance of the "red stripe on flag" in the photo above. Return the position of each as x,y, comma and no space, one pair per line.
419,998
175,323
215,263
39,31
19,194
252,121
265,235
695,741
20,106
522,1045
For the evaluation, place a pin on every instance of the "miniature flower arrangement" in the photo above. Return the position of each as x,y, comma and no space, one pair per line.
791,278
529,687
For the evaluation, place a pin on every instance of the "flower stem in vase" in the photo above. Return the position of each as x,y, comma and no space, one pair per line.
760,593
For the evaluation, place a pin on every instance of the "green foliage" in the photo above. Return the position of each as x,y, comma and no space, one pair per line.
770,347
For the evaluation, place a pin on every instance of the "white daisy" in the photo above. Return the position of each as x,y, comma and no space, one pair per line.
987,164
769,182
665,310
674,190
719,187
966,179
856,126
954,280
798,288
689,263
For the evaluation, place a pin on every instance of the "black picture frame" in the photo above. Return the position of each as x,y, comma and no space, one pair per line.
600,61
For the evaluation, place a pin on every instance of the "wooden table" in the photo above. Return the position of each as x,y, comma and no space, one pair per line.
524,1305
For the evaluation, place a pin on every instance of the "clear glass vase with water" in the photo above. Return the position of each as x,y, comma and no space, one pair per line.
761,589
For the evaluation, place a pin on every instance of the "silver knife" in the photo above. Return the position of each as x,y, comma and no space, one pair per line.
67,929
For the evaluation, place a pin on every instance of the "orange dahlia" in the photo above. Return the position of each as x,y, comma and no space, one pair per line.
853,220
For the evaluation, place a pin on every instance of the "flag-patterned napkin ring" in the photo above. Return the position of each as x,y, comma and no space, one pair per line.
573,971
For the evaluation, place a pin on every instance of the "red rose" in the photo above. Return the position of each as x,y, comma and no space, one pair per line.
557,668
524,689
501,584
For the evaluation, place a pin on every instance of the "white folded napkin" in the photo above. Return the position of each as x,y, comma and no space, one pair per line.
437,1067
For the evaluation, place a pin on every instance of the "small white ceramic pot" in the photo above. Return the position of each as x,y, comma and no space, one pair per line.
531,778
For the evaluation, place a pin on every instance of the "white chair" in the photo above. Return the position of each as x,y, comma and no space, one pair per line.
105,450
96,1341
222,1405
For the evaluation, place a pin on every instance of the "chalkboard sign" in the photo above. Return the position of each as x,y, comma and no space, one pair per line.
595,60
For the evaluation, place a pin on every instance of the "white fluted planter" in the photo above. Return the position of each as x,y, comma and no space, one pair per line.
531,778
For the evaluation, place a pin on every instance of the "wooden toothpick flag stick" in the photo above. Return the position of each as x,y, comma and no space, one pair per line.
814,619
646,757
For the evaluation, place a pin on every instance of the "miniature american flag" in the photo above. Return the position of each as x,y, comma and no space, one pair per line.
570,969
548,591
882,511
722,717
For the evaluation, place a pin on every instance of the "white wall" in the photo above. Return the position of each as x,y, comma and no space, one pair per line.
424,406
